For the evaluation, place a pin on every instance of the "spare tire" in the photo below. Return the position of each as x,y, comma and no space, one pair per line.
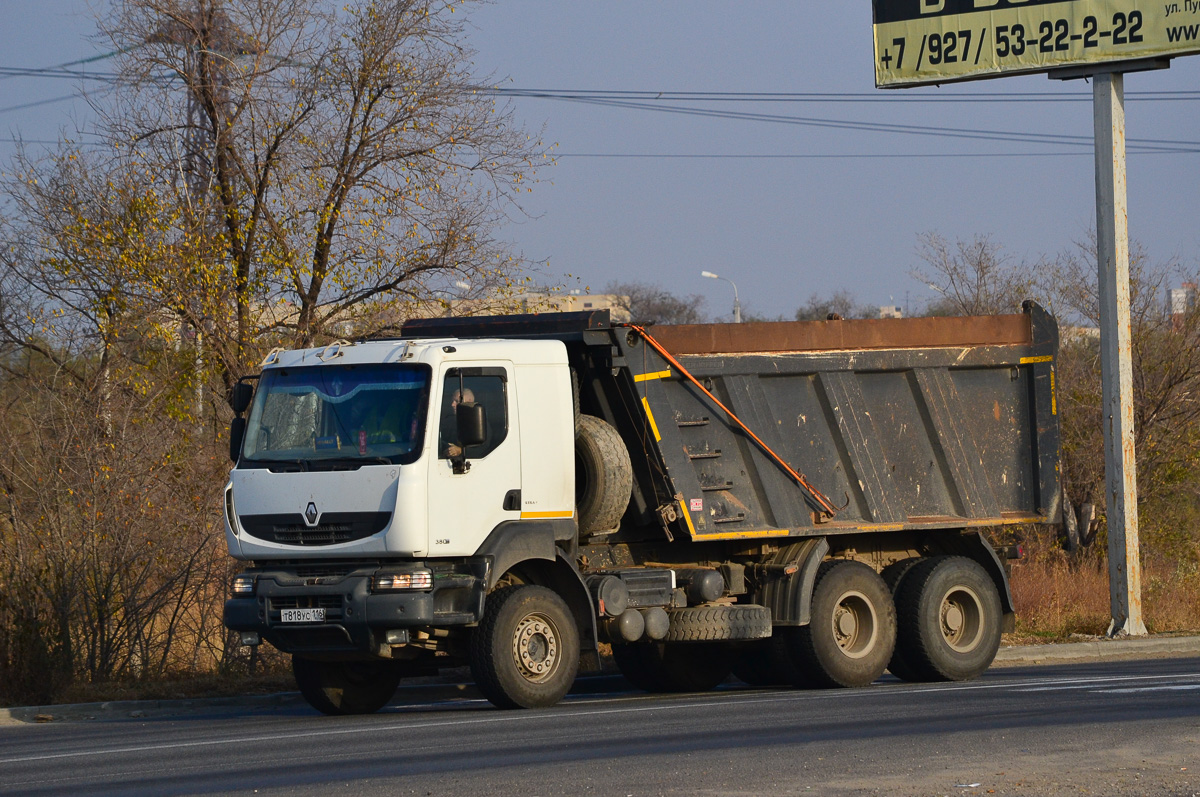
603,476
720,622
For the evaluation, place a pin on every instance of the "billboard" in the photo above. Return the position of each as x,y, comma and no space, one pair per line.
940,41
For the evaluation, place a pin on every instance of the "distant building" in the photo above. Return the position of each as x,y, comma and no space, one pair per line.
542,302
1079,335
576,302
1180,302
891,311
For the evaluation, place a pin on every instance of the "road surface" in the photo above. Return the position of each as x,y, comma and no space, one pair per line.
1108,728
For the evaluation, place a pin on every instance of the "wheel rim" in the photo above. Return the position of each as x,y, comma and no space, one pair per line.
855,625
961,619
535,648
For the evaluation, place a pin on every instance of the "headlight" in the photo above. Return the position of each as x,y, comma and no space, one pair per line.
242,586
387,582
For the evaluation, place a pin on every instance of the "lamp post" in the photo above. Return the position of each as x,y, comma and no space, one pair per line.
737,306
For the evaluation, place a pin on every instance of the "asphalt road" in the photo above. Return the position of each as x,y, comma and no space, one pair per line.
1108,728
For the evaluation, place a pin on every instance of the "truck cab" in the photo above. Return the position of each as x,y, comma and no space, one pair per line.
364,511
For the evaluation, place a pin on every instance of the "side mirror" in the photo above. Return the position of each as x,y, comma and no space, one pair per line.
239,397
237,433
472,424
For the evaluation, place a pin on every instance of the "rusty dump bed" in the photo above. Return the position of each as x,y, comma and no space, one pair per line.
896,423
810,336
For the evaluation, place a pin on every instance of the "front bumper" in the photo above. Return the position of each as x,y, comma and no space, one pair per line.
356,619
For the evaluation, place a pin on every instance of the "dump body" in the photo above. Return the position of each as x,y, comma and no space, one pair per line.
902,424
919,423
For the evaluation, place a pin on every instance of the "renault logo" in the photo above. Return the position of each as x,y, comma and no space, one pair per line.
310,514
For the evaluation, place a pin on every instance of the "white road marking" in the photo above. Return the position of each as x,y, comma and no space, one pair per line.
1165,688
510,717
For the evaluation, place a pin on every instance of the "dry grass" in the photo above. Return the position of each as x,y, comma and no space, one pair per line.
1058,596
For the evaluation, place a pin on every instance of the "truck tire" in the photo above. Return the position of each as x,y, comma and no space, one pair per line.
950,616
712,623
893,575
525,651
345,687
674,667
765,662
603,476
852,633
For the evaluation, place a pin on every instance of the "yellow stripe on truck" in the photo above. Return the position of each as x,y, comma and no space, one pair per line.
650,417
656,375
546,515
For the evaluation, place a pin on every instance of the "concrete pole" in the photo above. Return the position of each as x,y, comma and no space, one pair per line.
1112,258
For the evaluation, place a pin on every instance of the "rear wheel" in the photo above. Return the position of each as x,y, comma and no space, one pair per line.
852,631
346,687
950,617
525,652
674,667
893,575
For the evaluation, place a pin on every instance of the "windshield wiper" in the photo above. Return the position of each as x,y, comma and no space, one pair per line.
283,465
346,463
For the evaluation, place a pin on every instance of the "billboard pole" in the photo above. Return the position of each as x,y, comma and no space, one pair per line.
1112,262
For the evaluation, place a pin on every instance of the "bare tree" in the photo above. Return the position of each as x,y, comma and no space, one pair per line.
306,166
653,304
273,171
1166,373
842,304
974,277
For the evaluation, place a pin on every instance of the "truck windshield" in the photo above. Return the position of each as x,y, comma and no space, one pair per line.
325,415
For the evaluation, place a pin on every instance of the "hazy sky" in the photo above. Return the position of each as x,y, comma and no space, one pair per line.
788,209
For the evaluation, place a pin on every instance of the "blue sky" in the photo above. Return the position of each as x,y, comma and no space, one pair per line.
815,209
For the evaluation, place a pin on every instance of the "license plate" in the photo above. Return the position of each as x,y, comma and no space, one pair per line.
302,615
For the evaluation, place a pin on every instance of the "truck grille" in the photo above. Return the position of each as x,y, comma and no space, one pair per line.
335,527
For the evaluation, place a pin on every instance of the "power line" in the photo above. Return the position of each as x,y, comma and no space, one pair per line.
649,101
887,127
908,97
74,96
846,156
832,97
58,70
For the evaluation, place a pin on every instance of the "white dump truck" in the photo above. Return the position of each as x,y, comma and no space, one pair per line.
795,503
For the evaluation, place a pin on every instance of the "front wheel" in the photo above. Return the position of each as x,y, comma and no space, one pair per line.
525,652
346,687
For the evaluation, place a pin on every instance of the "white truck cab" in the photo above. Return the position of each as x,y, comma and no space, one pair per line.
347,449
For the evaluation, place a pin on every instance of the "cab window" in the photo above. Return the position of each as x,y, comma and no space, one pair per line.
485,386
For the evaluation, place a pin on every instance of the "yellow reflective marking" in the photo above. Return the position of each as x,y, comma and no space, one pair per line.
543,515
650,417
656,375
1053,395
687,518
745,535
1045,358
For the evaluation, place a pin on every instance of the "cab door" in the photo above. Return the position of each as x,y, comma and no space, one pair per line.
465,507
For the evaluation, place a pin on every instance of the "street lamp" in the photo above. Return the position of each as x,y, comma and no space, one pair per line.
737,306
